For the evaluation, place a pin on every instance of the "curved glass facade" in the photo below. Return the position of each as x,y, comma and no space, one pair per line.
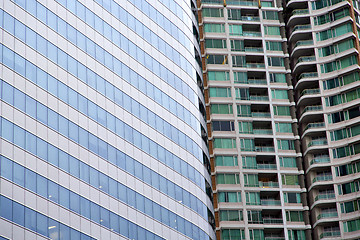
102,136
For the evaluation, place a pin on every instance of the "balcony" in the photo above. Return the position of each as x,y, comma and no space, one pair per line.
331,234
312,109
264,149
324,159
325,196
254,49
300,12
314,125
301,27
273,221
261,114
263,131
255,65
266,166
327,215
303,43
268,184
306,59
251,34
308,75
317,142
322,178
259,98
250,18
270,202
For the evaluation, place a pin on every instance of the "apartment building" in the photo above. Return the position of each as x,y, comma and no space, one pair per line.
281,92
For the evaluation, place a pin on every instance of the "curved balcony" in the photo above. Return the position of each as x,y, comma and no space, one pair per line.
318,142
297,16
327,215
306,77
320,197
333,234
322,178
299,30
307,96
319,160
302,46
310,111
303,62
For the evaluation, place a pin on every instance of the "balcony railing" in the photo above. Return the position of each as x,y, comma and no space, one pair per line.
306,59
301,27
308,75
251,34
318,142
330,234
254,49
273,221
270,202
327,215
320,160
274,238
314,125
324,196
268,184
304,43
310,91
261,114
299,12
312,109
257,81
255,65
266,166
322,178
264,149
263,131
259,98
250,18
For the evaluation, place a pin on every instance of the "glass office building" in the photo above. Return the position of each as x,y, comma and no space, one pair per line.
102,121
282,95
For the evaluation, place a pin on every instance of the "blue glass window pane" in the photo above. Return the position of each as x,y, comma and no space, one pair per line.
132,231
62,27
131,200
30,219
19,137
80,11
72,65
42,224
64,197
18,214
73,98
157,211
52,20
62,59
71,6
73,132
130,167
42,187
41,113
100,55
6,168
41,43
93,143
9,23
94,177
54,228
63,126
95,212
74,202
122,193
52,52
30,180
8,57
64,232
53,119
74,234
113,188
155,180
19,65
105,217
52,85
140,202
114,222
64,161
53,191
103,182
30,106
83,138
148,207
84,172
100,84
7,130
120,160
74,166
19,175
83,105
124,227
8,93
85,207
